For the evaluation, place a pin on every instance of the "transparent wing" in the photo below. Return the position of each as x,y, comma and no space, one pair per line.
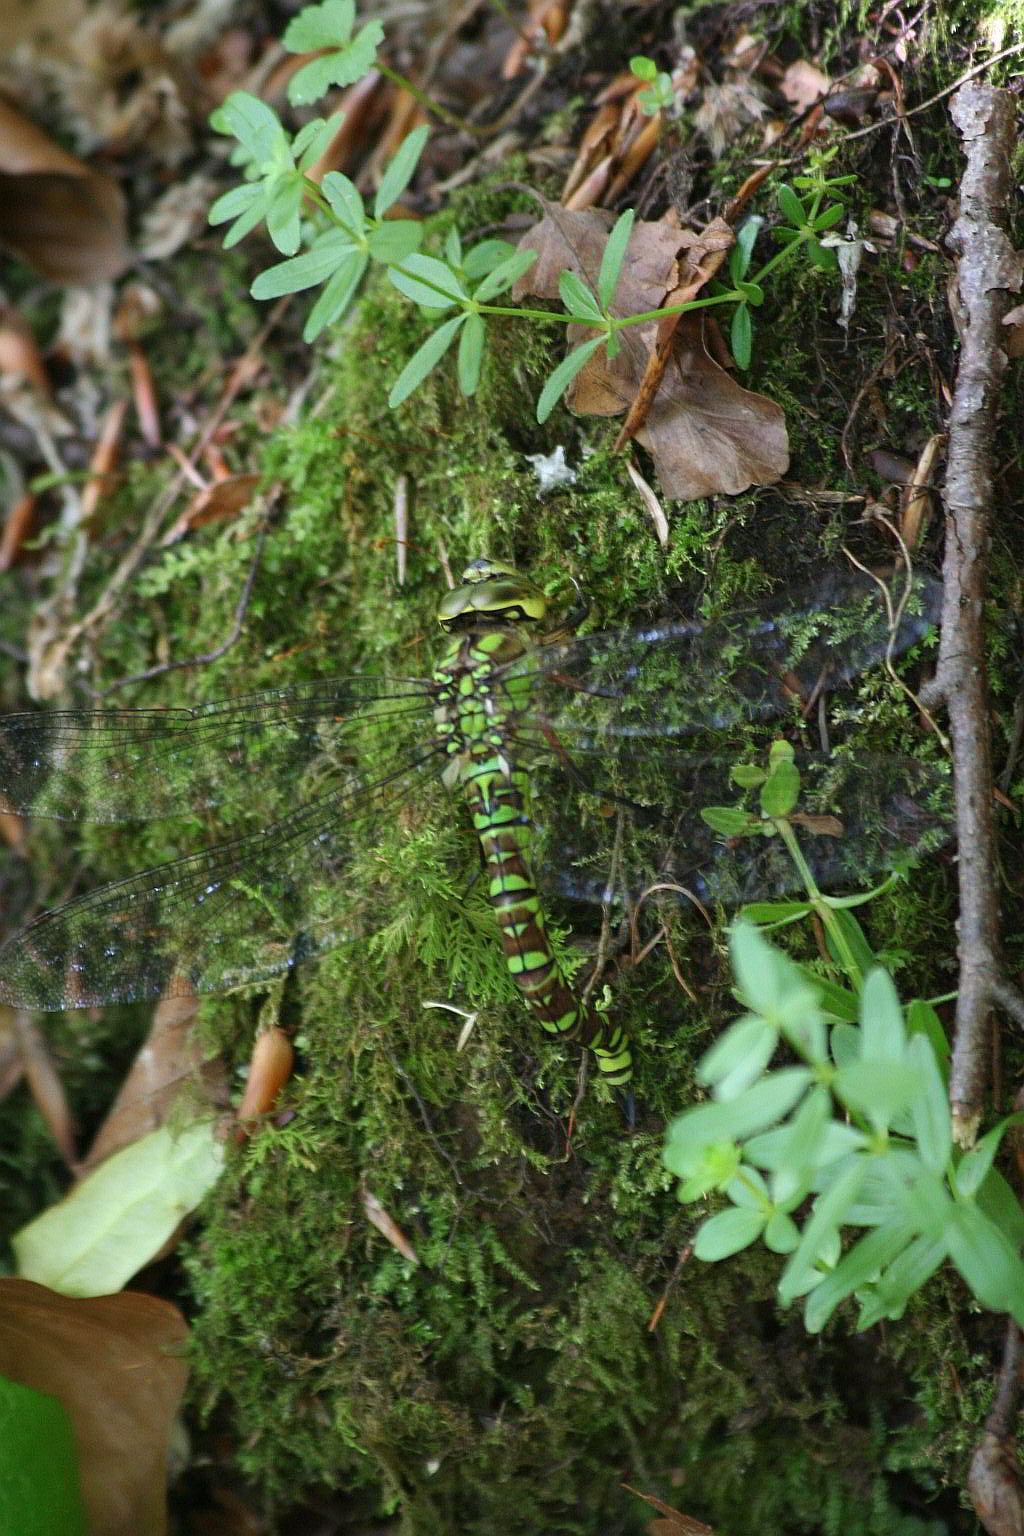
619,715
140,765
232,912
858,816
602,692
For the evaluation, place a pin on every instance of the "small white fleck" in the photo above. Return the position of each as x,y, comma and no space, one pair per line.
551,470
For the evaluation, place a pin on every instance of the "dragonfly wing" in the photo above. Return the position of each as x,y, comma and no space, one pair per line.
212,920
139,765
601,692
863,816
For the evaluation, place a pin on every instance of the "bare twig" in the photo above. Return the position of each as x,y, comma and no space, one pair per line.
947,90
989,267
994,1480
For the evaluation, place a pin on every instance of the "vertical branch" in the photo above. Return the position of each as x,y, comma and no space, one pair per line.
989,269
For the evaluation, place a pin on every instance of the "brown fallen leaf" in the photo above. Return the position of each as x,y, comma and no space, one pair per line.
222,500
707,434
65,219
115,1364
1013,342
106,456
575,241
703,259
270,1067
45,1084
168,1062
18,525
803,84
20,358
387,1226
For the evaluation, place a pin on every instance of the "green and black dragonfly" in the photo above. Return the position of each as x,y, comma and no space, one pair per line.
576,755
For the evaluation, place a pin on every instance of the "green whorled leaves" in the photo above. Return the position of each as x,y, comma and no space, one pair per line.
338,257
338,293
275,169
347,59
400,172
277,193
428,282
614,256
804,223
485,271
589,309
862,1131
559,381
326,254
741,335
425,360
659,92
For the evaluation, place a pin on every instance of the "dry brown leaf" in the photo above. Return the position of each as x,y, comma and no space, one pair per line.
707,434
20,358
103,462
114,1362
1013,343
803,84
703,260
388,1227
918,497
66,220
18,524
576,242
651,502
218,502
675,1523
270,1067
45,1084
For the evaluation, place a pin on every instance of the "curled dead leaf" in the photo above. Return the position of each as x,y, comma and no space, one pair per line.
219,502
20,358
114,1362
706,433
65,219
270,1067
169,1063
388,1227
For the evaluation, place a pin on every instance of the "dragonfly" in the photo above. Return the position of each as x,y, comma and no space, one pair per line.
575,754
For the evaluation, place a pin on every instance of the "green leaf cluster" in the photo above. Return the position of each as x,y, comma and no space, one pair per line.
329,239
659,95
856,1136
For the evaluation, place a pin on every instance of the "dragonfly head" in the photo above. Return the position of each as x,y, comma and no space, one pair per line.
491,593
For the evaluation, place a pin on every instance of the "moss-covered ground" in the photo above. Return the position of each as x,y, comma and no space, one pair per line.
555,1340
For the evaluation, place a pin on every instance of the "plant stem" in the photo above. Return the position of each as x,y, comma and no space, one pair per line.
820,905
425,101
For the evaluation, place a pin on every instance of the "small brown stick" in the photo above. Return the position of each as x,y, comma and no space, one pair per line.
989,267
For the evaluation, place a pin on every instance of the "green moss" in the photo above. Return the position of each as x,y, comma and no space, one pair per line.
510,1381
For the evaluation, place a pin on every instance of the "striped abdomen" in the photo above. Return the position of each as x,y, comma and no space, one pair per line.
498,799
